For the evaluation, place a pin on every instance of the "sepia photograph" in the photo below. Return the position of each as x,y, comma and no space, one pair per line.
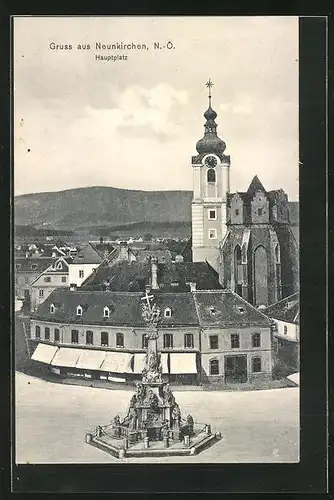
156,240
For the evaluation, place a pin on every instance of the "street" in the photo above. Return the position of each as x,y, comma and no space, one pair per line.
52,420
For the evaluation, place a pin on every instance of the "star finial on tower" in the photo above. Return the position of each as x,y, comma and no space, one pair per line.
209,84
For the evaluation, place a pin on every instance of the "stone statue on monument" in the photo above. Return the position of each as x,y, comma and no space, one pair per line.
151,315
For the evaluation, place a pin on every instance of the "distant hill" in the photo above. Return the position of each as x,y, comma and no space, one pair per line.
102,211
102,207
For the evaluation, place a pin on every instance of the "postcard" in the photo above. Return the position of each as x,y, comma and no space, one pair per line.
156,182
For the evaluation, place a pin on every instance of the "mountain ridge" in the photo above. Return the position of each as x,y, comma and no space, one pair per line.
101,206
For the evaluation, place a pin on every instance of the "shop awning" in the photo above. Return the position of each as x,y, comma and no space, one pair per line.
90,359
164,362
184,362
117,362
44,353
66,357
139,362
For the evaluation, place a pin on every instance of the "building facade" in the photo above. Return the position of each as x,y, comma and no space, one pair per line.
27,269
204,336
83,264
286,342
55,276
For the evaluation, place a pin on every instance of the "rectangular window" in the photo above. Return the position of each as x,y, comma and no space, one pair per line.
74,336
89,338
57,336
235,341
256,340
63,279
81,273
104,339
47,279
214,367
17,267
47,333
168,341
26,280
236,211
144,341
34,267
212,214
188,341
212,234
285,330
38,332
213,341
259,211
41,293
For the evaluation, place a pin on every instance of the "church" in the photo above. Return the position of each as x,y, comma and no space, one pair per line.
249,237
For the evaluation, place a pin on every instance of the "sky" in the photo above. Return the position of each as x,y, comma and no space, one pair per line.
134,123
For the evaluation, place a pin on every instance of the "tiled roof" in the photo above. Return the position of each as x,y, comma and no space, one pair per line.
226,308
286,309
88,255
125,308
32,264
206,308
124,276
161,255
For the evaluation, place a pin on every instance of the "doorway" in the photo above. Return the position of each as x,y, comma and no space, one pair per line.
236,369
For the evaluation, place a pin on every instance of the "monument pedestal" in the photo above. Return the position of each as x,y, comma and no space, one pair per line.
153,425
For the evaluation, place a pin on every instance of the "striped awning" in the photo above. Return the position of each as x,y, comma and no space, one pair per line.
181,363
44,353
66,357
117,362
90,359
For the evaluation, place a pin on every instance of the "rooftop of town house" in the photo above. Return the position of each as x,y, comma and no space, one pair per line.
135,276
286,309
221,308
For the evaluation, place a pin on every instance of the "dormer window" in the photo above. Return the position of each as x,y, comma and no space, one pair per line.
106,312
168,312
79,311
52,308
260,211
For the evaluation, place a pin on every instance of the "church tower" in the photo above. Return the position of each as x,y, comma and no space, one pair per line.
211,183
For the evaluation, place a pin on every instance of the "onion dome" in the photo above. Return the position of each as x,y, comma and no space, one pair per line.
210,114
210,143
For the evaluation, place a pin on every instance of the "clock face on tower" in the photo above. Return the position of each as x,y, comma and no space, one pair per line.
211,161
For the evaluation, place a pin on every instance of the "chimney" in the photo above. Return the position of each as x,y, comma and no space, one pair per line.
73,287
193,287
154,273
123,250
